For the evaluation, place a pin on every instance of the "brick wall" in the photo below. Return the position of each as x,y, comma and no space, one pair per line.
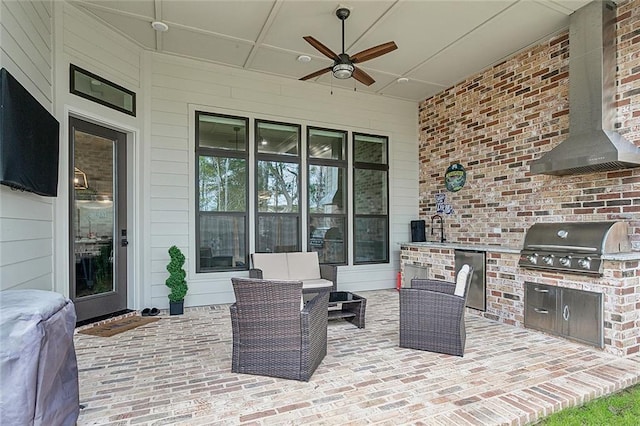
496,122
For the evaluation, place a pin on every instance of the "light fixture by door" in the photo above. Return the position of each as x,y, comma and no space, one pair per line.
79,179
343,67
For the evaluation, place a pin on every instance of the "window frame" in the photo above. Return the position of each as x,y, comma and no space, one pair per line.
280,158
344,164
361,165
220,153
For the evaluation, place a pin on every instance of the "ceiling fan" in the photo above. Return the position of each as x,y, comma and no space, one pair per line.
343,64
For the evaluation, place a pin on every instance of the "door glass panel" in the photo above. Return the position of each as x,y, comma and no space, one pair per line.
93,214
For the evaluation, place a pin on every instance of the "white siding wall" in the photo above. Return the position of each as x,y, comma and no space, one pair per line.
181,86
34,230
26,220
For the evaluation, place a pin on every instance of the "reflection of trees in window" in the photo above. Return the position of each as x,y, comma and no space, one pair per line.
277,186
222,184
326,185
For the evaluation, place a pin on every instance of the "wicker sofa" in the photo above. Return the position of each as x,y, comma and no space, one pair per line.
432,314
302,266
272,335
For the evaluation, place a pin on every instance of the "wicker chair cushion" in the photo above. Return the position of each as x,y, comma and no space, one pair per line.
303,266
461,281
273,265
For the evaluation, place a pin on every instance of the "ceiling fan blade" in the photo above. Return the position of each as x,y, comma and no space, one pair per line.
317,73
363,77
321,48
374,52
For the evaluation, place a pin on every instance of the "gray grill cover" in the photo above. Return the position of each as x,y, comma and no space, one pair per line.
37,359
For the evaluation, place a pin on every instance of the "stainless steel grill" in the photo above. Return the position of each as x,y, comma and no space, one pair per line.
575,248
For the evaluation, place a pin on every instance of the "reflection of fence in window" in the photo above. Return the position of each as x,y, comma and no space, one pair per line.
277,233
222,241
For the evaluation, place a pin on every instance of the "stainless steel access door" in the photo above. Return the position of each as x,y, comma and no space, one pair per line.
476,298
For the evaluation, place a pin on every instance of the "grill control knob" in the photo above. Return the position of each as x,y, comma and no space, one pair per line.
548,259
565,261
585,263
533,258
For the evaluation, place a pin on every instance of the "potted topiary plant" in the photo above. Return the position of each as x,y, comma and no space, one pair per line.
176,281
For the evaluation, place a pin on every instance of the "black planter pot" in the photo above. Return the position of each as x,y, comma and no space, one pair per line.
176,308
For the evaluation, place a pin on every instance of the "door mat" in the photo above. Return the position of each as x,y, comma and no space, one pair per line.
111,328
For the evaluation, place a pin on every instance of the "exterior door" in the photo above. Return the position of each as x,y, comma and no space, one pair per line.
98,220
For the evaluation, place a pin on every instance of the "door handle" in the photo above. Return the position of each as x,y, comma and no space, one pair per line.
540,311
565,313
541,290
124,242
123,238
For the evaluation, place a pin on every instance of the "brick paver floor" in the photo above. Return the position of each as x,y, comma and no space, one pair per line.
177,371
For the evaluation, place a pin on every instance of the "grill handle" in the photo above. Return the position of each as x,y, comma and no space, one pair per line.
541,290
561,248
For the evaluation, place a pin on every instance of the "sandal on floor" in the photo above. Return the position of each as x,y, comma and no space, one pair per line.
153,312
146,312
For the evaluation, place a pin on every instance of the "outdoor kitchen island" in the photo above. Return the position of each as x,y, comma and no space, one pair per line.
505,286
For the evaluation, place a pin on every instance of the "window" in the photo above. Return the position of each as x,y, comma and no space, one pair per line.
221,192
327,195
277,187
370,199
97,89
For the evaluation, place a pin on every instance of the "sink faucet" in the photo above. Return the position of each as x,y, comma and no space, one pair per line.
434,218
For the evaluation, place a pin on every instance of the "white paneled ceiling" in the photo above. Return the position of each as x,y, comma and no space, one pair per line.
439,42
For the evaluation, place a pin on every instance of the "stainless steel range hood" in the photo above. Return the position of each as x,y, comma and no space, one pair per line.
592,145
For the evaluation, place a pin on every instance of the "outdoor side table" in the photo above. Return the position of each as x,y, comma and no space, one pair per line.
348,306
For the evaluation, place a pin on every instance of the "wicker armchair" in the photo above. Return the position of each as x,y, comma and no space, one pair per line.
432,316
272,334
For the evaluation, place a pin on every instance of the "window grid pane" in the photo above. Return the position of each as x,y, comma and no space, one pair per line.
277,184
222,183
371,240
222,242
277,138
326,144
222,132
326,237
277,233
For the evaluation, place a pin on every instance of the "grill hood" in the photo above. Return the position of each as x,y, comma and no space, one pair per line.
592,145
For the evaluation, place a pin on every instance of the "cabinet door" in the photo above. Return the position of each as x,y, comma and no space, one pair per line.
581,316
540,307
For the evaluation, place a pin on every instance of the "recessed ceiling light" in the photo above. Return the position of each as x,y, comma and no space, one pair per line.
159,26
304,58
402,80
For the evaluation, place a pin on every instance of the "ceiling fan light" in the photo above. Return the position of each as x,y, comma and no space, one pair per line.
342,71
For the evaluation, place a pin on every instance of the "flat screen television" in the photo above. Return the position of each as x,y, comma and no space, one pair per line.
29,140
